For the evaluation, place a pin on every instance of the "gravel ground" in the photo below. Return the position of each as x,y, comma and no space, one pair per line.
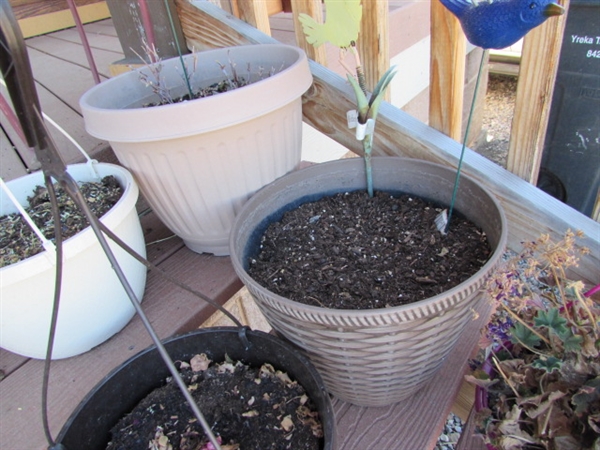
498,113
449,437
497,118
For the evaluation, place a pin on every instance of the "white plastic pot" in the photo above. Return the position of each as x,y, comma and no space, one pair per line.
93,303
197,162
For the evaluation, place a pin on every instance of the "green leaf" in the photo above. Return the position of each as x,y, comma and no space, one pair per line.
361,100
520,334
571,342
341,27
379,91
367,109
549,364
552,320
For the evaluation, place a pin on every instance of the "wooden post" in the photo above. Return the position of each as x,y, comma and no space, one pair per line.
255,13
446,87
374,42
128,24
314,9
537,75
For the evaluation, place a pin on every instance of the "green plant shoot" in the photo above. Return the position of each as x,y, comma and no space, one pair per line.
341,29
367,111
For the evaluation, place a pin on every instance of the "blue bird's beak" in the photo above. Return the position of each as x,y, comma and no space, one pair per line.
553,9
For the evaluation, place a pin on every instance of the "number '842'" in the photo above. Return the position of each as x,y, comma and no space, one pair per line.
593,54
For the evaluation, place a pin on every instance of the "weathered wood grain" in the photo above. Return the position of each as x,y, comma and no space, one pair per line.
537,76
374,42
447,72
255,13
314,9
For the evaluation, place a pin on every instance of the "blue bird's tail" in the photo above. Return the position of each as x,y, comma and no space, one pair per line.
458,7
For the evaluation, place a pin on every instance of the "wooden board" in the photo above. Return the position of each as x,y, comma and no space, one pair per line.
31,8
65,47
537,76
46,19
72,123
11,166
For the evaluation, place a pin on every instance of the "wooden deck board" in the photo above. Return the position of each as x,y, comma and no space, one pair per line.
71,121
29,8
68,87
74,52
95,32
11,166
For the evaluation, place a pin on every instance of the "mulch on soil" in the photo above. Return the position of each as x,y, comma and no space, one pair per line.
18,241
247,408
351,252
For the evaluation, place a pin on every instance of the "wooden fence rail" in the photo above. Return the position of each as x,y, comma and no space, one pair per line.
530,211
539,63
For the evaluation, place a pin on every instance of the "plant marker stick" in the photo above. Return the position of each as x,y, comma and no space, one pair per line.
443,223
185,74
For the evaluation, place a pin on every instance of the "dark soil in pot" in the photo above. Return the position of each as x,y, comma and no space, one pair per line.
18,241
348,251
248,408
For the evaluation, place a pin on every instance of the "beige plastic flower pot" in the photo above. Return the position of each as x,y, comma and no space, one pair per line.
380,356
93,304
197,162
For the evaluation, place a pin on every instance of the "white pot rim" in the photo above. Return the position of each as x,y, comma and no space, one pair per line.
106,116
14,273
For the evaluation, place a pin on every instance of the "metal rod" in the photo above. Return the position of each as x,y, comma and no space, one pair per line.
148,28
84,41
464,145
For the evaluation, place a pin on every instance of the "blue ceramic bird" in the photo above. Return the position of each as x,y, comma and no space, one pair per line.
500,23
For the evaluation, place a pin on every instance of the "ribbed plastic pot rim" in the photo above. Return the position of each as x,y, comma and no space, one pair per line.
428,303
119,124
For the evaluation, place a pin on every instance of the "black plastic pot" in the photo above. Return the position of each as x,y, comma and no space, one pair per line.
89,426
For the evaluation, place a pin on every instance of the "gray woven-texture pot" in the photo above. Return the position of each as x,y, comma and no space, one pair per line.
381,356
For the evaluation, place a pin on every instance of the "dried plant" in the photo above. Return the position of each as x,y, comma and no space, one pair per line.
541,370
232,79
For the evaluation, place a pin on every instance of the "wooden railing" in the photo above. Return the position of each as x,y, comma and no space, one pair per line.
541,50
529,210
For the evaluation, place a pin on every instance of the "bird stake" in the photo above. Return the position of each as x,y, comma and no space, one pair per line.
492,24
